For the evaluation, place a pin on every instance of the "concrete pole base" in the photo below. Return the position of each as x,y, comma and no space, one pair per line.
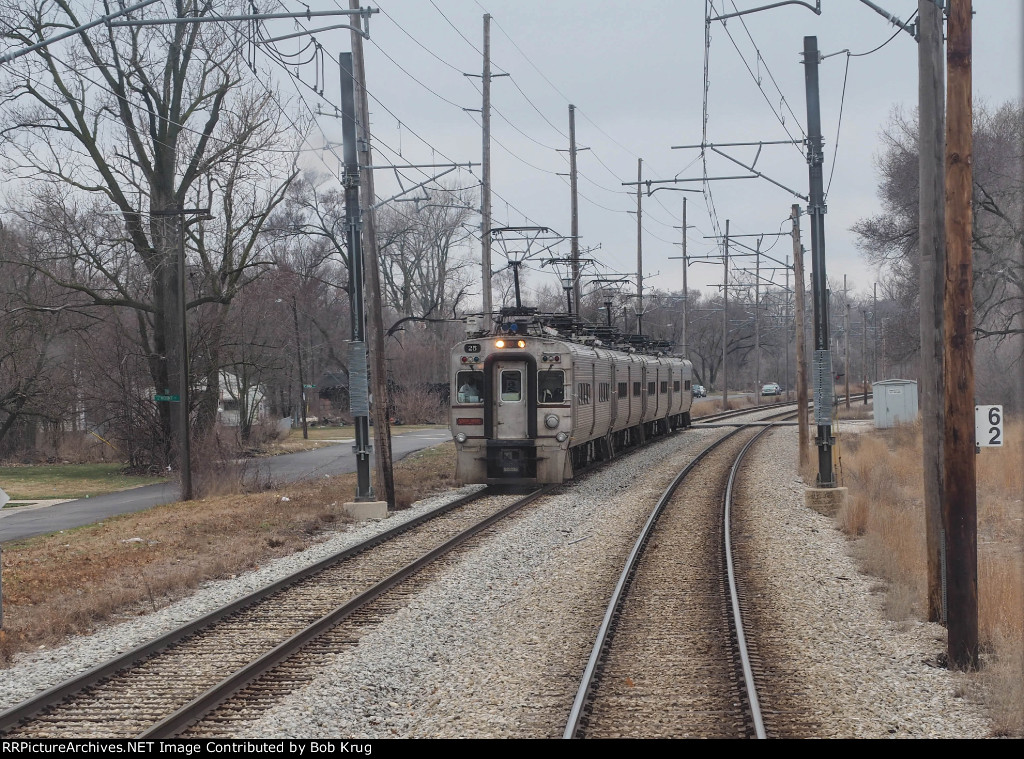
825,501
362,511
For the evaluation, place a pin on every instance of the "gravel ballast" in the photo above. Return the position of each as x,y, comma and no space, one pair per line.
495,643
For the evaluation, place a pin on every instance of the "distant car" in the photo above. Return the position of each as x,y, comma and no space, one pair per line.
771,388
699,391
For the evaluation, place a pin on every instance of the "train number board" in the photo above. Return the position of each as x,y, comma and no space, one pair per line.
988,426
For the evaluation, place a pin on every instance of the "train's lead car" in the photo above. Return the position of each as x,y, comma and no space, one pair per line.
532,405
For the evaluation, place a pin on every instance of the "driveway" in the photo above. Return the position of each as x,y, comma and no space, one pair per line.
29,521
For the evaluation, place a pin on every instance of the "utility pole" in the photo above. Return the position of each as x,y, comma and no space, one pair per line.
874,335
378,368
725,323
757,323
846,342
960,505
577,288
786,324
801,357
359,402
639,248
686,292
864,352
184,430
302,379
823,387
931,126
485,177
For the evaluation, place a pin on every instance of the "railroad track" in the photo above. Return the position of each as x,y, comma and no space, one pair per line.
157,690
671,657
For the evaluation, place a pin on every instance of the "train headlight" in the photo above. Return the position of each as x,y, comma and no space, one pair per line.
499,343
460,437
551,422
561,437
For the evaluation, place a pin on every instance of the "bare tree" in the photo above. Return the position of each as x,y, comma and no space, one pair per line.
145,120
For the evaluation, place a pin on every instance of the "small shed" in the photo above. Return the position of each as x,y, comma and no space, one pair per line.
895,402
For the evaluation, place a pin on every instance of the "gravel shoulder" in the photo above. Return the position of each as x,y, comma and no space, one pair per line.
527,603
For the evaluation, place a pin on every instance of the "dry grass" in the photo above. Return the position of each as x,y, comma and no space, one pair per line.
886,510
67,583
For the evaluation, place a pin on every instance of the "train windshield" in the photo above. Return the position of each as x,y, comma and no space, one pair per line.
470,386
512,385
551,386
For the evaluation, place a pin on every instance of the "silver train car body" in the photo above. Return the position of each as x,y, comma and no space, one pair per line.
536,408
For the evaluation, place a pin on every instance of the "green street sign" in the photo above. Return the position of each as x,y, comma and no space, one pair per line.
167,398
309,387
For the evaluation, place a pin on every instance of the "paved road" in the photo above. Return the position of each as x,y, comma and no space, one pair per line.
26,522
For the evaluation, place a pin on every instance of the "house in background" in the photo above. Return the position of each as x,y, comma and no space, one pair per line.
241,401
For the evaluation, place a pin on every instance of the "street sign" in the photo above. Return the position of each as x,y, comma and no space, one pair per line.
988,426
167,398
309,387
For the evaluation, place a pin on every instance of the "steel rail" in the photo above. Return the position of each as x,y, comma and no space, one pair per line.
59,692
600,644
741,639
211,699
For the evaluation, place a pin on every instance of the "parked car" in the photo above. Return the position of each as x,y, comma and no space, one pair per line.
699,391
772,388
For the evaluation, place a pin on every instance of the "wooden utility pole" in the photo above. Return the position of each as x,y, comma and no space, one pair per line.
959,506
931,141
725,323
302,379
639,247
485,177
846,343
801,357
686,292
757,323
577,289
383,465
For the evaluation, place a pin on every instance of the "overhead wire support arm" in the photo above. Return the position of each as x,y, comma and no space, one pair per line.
908,27
649,182
360,13
816,9
750,168
406,191
7,57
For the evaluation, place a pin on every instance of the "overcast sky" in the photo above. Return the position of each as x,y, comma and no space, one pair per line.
635,72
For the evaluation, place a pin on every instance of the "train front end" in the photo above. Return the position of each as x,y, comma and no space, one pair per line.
511,413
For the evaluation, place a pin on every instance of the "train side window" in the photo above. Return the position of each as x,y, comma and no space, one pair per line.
675,386
687,384
583,394
511,385
636,389
651,388
551,386
470,385
664,387
604,391
623,389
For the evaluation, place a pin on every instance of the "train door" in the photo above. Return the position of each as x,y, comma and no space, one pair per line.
511,410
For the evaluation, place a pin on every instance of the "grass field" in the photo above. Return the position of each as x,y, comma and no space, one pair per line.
60,481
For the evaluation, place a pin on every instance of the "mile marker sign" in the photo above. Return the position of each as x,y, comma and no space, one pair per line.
988,426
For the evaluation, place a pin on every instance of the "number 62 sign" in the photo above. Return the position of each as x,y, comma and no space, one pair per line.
988,426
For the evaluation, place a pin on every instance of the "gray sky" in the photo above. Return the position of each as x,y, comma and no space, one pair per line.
635,72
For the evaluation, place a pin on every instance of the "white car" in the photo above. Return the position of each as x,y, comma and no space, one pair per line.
771,388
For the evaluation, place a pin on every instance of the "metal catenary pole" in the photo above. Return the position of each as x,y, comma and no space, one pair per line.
302,380
725,322
823,380
577,288
359,402
485,177
801,345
